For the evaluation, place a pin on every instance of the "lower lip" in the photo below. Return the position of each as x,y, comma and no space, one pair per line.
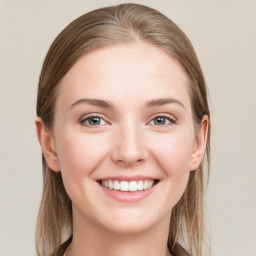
128,196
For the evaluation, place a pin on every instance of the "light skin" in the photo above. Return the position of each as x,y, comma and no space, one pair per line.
123,111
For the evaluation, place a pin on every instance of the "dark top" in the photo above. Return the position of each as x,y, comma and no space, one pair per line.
178,250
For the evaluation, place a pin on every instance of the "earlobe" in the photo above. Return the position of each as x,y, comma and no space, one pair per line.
200,144
47,143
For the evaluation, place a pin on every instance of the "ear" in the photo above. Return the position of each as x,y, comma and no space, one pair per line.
200,144
47,143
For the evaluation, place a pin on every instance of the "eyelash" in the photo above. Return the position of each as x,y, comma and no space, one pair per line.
171,119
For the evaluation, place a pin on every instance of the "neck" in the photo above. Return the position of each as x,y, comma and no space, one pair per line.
91,240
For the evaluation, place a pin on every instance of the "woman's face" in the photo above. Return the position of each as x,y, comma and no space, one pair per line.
124,137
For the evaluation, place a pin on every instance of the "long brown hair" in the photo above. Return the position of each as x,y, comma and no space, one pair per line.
107,26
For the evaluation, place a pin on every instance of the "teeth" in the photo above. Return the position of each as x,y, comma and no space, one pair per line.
128,186
150,183
140,185
133,186
124,186
110,184
116,185
145,185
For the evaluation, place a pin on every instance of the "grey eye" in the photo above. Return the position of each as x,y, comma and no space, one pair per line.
93,121
160,120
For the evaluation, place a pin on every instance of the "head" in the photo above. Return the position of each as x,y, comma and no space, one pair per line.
122,25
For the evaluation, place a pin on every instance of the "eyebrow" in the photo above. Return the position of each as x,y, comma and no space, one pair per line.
93,102
107,104
159,102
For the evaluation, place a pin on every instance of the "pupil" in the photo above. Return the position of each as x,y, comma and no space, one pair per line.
94,121
160,120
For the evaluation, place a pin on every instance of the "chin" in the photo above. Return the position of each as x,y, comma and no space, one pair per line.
131,222
129,227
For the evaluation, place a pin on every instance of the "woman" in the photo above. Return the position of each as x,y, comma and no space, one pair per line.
123,122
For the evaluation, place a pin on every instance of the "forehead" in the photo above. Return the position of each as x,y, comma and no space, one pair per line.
124,71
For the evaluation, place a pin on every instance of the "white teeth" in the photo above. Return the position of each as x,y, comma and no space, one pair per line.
128,186
145,185
150,183
124,186
140,185
116,185
133,186
110,184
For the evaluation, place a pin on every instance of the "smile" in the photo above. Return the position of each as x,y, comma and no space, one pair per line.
128,189
131,186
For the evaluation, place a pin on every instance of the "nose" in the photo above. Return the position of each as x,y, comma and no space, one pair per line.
129,146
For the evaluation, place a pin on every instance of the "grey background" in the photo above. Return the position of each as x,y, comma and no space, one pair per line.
224,36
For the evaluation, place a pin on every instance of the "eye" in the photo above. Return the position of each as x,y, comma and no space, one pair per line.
162,120
93,121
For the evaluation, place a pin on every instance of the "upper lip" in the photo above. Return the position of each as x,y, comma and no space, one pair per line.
128,178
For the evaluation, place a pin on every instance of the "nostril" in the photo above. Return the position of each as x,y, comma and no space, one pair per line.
128,161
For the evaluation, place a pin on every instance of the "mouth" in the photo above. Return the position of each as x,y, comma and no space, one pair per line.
128,186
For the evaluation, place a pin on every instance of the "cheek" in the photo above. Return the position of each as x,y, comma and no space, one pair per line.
80,154
175,158
174,153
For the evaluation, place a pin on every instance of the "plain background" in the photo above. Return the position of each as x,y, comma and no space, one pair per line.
224,36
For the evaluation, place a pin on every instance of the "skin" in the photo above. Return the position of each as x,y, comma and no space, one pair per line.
127,141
